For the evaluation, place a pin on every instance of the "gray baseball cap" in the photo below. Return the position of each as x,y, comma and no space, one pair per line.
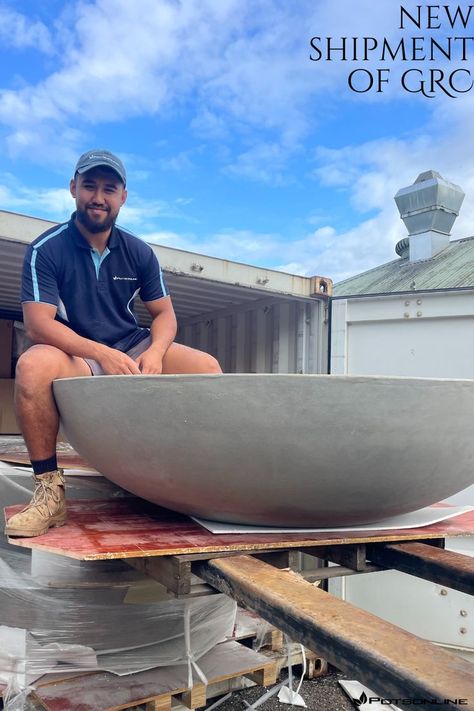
97,157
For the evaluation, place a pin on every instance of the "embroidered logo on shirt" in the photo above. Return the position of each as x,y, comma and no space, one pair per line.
125,278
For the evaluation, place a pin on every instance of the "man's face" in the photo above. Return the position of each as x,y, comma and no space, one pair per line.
99,195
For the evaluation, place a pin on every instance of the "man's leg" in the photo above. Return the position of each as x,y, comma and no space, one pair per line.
185,360
39,422
34,402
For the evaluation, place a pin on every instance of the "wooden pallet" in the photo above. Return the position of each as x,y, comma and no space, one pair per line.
157,688
250,626
315,664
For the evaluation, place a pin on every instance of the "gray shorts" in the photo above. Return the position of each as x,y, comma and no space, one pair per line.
96,368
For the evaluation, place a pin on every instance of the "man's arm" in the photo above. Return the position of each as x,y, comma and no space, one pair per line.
163,331
41,327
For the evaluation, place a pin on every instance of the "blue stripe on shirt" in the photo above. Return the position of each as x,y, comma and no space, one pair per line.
34,275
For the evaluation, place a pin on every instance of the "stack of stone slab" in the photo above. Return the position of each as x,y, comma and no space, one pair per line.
65,615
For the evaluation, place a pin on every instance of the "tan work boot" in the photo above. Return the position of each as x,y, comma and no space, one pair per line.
47,508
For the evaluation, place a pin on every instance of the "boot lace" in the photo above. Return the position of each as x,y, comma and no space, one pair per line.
45,493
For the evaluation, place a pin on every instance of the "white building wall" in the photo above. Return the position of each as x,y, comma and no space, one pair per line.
430,335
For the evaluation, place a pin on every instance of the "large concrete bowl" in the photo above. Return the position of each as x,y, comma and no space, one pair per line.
289,450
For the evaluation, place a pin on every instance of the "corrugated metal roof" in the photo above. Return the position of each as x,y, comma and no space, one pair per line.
453,268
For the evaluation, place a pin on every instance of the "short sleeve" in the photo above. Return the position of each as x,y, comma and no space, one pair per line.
39,281
153,285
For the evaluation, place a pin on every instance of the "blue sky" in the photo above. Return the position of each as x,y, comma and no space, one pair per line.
236,144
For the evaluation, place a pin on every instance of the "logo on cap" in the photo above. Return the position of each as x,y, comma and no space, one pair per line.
96,158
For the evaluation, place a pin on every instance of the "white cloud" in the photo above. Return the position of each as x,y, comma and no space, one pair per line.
182,161
323,252
367,176
242,67
236,245
141,215
20,32
264,162
51,203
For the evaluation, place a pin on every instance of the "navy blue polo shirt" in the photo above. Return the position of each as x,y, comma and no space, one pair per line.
93,293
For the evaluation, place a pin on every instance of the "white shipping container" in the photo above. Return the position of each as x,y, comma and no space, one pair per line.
252,319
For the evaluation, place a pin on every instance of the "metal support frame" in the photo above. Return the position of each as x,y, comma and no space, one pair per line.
395,663
391,661
175,572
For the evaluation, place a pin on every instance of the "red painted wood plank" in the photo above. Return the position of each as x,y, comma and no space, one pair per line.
132,528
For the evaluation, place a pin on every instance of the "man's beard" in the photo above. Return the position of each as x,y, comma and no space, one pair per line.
91,225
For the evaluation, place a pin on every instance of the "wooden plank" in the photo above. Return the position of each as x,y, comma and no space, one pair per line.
316,665
161,703
156,687
250,626
262,677
133,528
440,566
282,558
175,573
336,571
351,556
389,660
195,697
170,571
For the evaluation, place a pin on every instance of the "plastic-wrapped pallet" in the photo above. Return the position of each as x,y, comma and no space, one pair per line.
63,615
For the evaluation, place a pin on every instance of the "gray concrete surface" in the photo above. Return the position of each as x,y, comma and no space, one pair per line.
267,449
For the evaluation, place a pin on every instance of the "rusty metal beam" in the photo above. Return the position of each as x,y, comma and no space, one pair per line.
394,663
440,566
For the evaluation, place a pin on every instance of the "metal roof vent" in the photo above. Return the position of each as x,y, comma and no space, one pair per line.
402,248
429,209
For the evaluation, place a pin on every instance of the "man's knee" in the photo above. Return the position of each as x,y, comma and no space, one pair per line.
185,360
209,364
36,360
42,363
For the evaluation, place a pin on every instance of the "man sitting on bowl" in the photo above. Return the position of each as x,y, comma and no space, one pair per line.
78,286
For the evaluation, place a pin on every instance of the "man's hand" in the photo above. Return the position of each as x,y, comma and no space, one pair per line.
115,362
150,362
42,328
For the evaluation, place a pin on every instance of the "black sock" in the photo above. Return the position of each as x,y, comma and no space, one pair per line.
41,466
